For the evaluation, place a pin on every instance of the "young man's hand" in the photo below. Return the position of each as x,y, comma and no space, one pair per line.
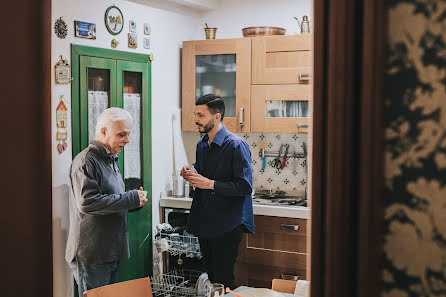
199,181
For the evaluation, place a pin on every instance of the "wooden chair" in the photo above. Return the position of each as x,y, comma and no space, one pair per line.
284,286
133,288
289,286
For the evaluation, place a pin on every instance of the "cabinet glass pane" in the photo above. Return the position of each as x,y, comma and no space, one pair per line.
286,109
132,93
98,96
216,74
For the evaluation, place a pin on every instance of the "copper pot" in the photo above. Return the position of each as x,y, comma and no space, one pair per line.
262,31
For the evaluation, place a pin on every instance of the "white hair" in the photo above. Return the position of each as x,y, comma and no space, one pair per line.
111,115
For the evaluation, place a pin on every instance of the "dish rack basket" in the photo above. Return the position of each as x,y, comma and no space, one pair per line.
182,283
172,241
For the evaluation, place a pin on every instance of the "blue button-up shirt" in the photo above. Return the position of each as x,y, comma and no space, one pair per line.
227,161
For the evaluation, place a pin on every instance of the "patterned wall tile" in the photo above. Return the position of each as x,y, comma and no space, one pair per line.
293,176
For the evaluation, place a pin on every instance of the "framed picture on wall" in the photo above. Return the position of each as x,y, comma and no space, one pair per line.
84,30
147,29
132,26
133,40
146,43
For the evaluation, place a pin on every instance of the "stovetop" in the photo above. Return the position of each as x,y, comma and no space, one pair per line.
278,198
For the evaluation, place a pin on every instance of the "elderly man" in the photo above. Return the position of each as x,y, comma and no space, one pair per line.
98,237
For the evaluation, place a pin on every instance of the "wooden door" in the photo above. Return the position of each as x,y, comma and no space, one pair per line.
133,94
281,59
280,108
222,67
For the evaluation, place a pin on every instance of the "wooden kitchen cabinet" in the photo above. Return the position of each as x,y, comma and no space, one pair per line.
264,81
280,108
275,249
281,59
222,67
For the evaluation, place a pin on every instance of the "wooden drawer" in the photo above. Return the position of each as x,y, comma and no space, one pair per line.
280,59
274,249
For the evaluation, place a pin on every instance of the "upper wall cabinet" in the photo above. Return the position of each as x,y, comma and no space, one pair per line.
221,67
281,59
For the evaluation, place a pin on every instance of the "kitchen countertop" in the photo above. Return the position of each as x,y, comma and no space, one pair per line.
296,212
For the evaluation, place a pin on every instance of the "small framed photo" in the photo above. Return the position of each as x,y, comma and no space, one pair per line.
147,29
146,43
132,26
133,40
84,30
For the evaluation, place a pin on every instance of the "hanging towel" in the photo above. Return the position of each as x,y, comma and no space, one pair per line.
179,153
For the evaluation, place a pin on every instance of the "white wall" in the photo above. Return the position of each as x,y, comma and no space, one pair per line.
169,29
233,15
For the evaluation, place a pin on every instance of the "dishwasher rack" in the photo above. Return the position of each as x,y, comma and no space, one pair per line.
183,283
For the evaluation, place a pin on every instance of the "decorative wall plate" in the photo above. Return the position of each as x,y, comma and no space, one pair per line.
114,20
60,28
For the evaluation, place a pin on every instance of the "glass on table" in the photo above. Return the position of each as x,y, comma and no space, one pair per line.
216,290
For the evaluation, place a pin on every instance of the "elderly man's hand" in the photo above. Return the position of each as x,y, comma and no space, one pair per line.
142,197
199,181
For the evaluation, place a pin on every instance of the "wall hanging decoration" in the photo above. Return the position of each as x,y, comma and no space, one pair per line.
146,43
84,30
114,20
151,57
60,28
147,29
114,43
62,71
133,41
61,122
132,26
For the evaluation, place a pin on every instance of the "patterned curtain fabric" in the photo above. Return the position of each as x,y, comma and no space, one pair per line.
132,151
97,103
414,259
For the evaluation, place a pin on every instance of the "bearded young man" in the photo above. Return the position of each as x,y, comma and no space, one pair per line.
222,207
99,204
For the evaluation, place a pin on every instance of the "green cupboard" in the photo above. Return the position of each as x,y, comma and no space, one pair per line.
105,78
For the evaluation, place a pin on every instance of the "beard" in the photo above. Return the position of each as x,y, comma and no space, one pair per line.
206,128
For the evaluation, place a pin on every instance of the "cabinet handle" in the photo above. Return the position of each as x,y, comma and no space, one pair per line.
241,116
302,125
289,277
289,227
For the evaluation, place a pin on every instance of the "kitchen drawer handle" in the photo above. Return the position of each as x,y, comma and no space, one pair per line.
302,125
241,117
289,227
289,277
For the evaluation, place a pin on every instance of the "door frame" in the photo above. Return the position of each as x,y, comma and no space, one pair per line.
347,169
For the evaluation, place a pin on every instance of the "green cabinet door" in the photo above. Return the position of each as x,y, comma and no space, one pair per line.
105,78
133,94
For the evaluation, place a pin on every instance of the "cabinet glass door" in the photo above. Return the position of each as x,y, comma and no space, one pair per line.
221,67
97,92
133,95
216,74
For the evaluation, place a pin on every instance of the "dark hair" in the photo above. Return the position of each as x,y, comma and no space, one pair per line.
214,103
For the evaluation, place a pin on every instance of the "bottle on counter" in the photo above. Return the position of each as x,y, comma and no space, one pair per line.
186,189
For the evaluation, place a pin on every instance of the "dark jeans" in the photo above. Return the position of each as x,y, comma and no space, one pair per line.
90,276
219,255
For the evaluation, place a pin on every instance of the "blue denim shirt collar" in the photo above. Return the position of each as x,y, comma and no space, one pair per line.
219,138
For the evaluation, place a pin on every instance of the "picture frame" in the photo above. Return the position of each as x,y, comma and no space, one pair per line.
132,40
146,43
84,30
114,20
147,29
62,71
132,26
